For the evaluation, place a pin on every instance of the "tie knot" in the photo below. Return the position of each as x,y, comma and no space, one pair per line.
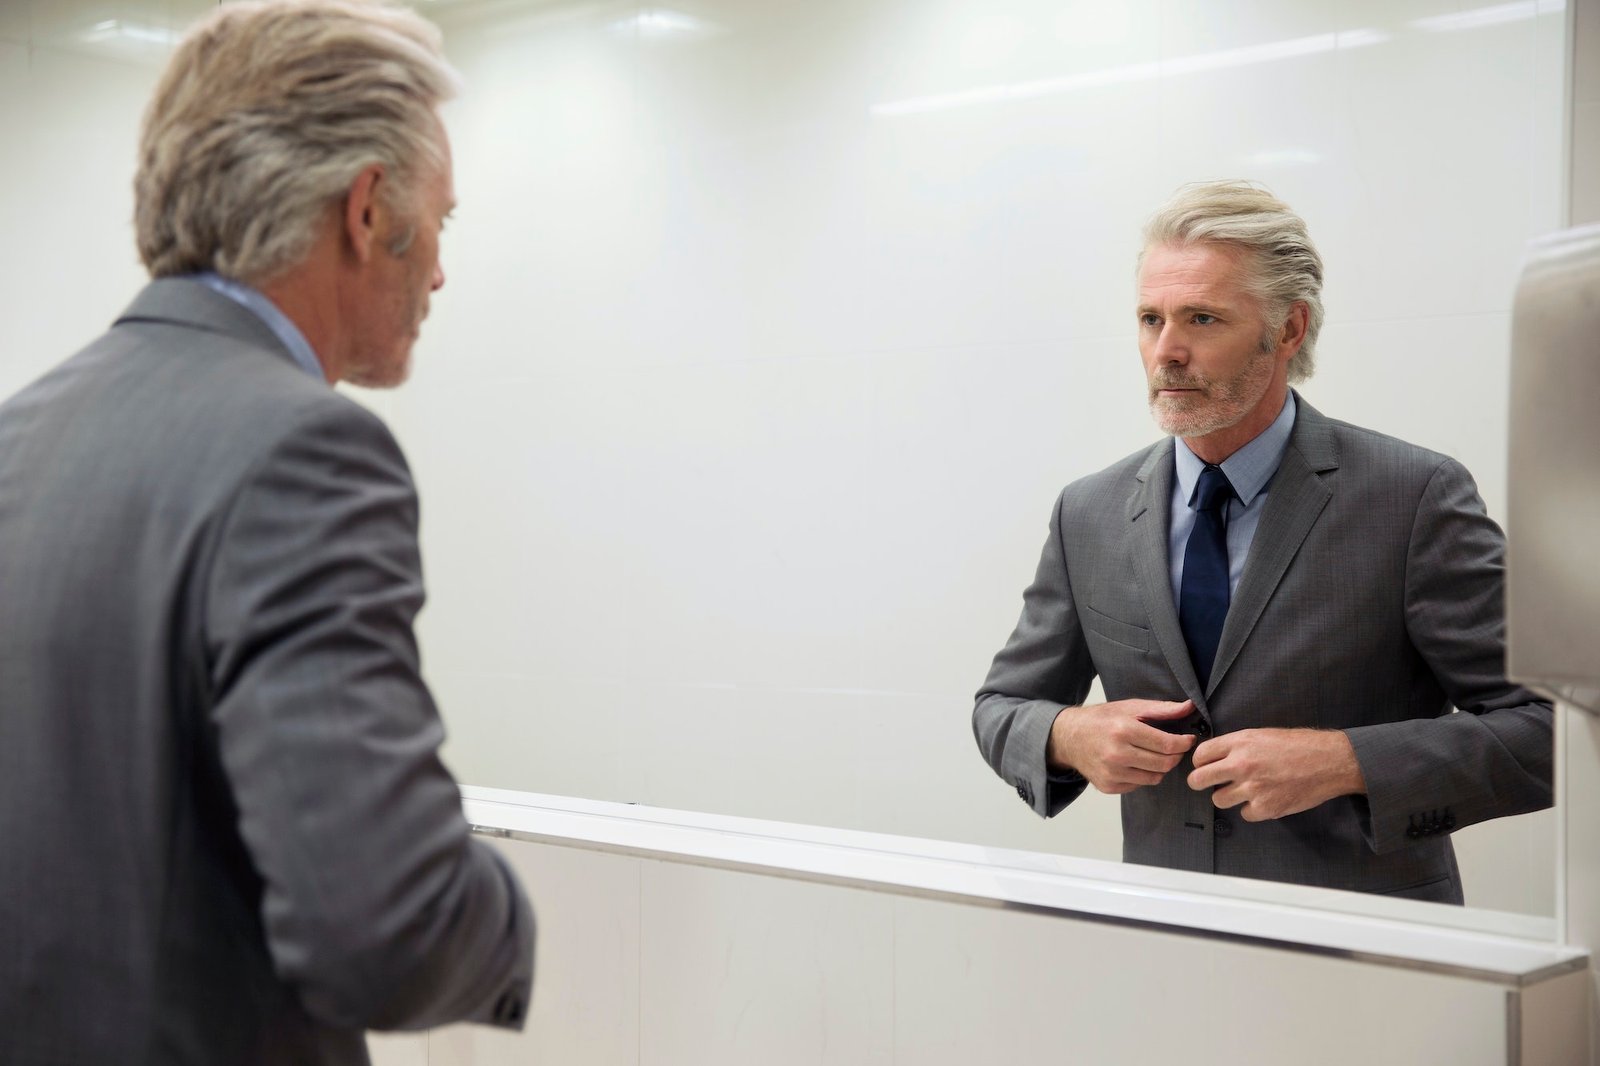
1214,490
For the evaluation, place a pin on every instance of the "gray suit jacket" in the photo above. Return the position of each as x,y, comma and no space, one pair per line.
1371,602
225,832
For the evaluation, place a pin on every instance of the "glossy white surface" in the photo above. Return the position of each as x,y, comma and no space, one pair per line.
739,419
1502,947
69,121
773,330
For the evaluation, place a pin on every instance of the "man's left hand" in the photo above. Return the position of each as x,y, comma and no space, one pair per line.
1272,773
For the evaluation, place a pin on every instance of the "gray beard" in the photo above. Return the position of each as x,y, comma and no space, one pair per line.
1224,404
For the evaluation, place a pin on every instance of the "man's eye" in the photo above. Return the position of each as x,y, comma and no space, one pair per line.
1148,319
1203,319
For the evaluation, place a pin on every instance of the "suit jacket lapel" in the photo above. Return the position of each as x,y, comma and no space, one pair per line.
1149,512
1296,496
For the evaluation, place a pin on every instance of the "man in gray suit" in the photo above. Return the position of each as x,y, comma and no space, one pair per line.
226,833
1282,608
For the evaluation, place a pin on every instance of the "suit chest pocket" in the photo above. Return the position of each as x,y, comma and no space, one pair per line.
1126,634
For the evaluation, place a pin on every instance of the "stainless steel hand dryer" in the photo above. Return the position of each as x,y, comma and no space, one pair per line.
1553,526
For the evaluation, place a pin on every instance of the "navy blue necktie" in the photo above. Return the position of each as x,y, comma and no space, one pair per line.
1203,596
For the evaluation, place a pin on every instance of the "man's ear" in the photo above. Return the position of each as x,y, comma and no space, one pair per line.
1293,334
363,211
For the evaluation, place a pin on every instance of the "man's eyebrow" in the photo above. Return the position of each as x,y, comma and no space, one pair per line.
1186,309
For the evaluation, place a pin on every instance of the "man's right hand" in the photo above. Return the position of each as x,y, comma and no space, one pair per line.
1114,746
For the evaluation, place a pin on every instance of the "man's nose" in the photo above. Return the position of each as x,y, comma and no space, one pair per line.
1170,347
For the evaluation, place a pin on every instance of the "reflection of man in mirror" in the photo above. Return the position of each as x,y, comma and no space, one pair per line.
1282,608
225,832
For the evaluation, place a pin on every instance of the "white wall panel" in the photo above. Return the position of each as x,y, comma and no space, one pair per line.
772,971
978,985
586,1003
70,102
660,963
14,23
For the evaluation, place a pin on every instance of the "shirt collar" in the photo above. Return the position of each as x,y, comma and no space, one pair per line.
286,331
1248,469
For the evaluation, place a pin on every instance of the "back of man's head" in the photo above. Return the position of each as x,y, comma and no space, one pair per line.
265,114
1285,266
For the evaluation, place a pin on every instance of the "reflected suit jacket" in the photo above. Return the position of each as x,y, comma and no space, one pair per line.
225,833
1371,601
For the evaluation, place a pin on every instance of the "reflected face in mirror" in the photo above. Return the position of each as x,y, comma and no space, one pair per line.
1208,351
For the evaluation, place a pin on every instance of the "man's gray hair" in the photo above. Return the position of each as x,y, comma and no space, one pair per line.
266,113
1284,265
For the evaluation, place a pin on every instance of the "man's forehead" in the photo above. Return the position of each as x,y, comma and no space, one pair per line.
1213,271
442,184
444,174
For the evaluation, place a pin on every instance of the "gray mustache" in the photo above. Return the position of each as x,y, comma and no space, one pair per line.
1164,381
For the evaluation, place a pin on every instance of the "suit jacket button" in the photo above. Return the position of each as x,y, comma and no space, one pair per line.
1203,728
1022,792
1223,827
1449,821
1413,832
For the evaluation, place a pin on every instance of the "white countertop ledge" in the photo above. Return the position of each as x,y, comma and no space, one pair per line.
1510,949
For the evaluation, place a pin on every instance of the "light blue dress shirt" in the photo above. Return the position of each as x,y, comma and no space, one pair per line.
1249,470
278,322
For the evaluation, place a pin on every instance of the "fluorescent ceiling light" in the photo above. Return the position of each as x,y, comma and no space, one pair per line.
1489,16
1282,157
662,24
117,30
1166,68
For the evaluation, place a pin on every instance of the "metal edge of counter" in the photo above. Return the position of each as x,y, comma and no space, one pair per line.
1506,949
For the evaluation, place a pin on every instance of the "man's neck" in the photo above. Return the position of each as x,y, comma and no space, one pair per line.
308,296
1215,447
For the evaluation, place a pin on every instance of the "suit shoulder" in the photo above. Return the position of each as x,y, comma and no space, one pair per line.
306,426
1115,481
258,394
242,380
1370,453
173,403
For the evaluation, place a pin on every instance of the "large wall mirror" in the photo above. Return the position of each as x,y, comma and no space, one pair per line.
772,330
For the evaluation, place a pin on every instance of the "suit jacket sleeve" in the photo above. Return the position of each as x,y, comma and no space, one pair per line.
1494,757
378,906
1044,667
